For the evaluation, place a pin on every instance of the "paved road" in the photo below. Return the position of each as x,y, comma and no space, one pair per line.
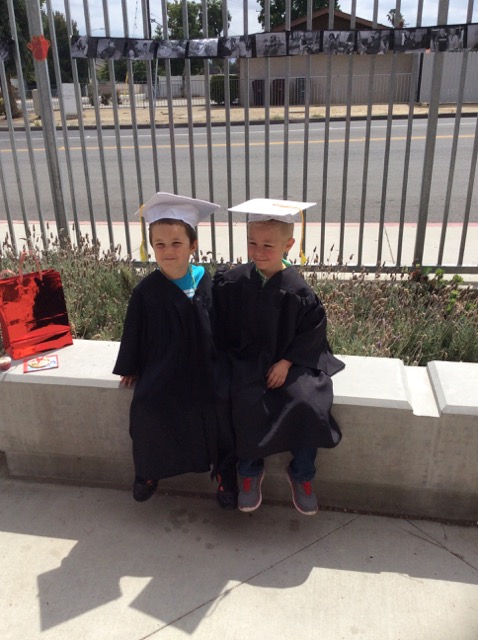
267,149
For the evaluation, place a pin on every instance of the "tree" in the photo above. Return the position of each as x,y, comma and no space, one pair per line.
214,19
63,47
23,36
391,18
195,16
298,10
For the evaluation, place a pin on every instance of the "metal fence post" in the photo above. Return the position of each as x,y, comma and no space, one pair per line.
48,123
430,144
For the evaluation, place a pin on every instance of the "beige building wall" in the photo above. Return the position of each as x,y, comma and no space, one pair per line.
293,71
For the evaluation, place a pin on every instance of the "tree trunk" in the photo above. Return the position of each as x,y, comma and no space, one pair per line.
16,111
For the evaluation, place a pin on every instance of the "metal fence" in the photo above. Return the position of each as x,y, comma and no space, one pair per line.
392,189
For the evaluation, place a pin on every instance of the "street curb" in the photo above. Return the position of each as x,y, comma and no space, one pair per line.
183,125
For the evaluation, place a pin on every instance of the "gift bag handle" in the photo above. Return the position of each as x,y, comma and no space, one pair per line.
23,257
7,272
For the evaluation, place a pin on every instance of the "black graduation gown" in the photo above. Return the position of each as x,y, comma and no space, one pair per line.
255,327
167,343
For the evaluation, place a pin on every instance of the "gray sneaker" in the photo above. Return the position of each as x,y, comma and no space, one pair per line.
250,495
303,497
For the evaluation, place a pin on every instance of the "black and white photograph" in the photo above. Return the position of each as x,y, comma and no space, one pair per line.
410,40
140,49
268,45
235,47
172,49
338,42
302,43
83,46
110,48
446,39
472,37
5,50
373,41
204,48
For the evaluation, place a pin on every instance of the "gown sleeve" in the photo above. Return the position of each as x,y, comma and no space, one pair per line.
309,346
127,362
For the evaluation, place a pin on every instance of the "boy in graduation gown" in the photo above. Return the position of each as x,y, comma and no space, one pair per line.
271,332
166,351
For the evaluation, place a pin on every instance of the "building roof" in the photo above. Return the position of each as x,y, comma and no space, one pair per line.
320,21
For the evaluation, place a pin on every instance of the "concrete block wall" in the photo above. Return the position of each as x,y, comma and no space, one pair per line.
410,434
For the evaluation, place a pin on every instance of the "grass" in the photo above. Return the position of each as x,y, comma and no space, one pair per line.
411,315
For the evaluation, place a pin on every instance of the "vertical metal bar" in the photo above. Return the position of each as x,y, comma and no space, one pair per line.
169,93
406,162
187,80
48,124
246,106
267,103
81,128
2,175
99,129
343,209
227,110
325,165
285,166
132,106
430,143
66,143
366,158
122,182
21,88
454,148
469,194
207,80
305,156
386,163
151,92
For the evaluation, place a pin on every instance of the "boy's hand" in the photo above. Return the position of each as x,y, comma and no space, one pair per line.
128,381
277,374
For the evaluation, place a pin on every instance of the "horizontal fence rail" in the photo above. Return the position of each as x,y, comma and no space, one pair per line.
385,145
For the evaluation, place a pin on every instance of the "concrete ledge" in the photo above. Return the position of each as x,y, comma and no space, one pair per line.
409,446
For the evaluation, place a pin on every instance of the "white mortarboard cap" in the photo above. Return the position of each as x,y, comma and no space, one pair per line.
262,209
169,205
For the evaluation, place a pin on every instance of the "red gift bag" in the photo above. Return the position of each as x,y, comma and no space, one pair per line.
33,315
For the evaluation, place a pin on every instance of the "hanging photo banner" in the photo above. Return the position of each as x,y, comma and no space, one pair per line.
236,47
472,37
454,38
270,45
205,48
140,49
83,47
447,38
411,40
171,49
111,48
304,43
339,42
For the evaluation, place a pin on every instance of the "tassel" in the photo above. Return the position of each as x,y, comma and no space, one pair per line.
143,253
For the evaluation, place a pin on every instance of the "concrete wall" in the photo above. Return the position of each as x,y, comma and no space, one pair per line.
409,447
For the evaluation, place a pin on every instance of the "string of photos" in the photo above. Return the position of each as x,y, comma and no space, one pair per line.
267,45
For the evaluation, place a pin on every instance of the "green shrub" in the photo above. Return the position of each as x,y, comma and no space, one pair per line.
217,92
414,316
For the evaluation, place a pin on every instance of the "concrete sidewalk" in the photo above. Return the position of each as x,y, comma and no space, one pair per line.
91,564
237,115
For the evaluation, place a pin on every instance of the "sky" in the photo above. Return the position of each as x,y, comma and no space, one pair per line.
457,13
